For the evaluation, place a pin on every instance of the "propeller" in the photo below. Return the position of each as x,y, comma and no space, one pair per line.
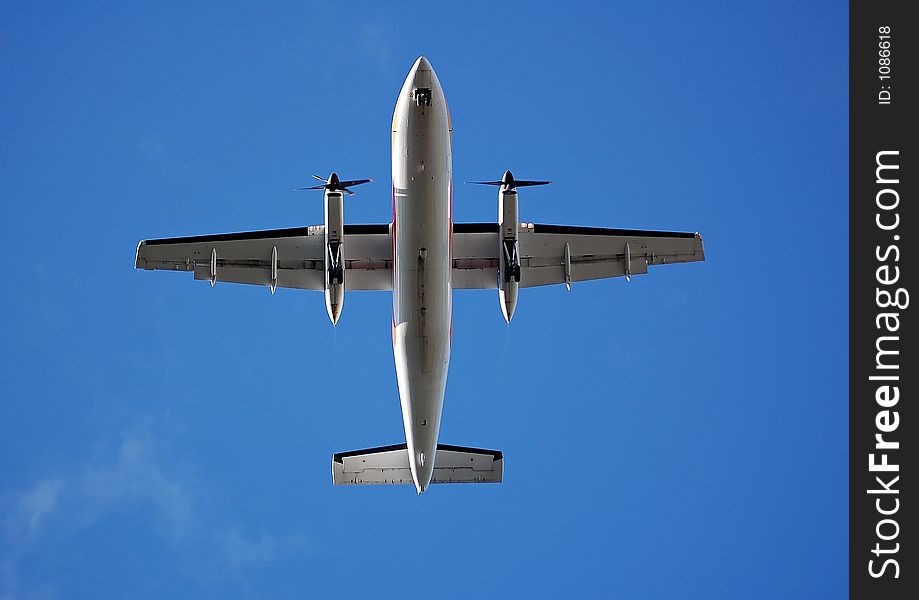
510,183
334,184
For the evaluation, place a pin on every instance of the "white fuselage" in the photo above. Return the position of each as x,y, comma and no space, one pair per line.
422,256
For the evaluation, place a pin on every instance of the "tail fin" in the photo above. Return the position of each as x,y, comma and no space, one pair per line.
389,464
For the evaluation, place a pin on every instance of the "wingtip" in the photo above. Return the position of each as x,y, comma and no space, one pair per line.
701,246
137,258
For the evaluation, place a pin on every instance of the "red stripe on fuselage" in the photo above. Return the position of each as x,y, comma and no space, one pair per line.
450,266
394,260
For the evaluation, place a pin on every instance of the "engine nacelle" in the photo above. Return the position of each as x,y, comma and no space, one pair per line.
334,255
508,252
508,297
335,264
508,239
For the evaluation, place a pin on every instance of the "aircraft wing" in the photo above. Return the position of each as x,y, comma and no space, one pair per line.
291,258
551,254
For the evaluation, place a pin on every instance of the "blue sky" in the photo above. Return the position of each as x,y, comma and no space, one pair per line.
679,436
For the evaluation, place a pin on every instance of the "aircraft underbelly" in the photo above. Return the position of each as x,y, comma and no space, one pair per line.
421,280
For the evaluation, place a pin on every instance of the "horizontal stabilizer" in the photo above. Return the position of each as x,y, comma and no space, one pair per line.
389,464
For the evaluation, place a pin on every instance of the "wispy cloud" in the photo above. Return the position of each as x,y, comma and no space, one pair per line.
374,43
152,146
134,477
33,506
240,550
164,158
136,473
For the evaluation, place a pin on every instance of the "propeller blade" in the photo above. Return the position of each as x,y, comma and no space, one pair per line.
346,184
511,183
334,184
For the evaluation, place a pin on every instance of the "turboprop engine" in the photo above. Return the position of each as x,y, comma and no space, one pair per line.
334,239
508,240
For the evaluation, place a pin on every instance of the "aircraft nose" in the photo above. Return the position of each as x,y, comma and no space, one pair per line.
422,64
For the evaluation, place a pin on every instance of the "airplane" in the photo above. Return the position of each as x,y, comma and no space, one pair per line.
421,257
